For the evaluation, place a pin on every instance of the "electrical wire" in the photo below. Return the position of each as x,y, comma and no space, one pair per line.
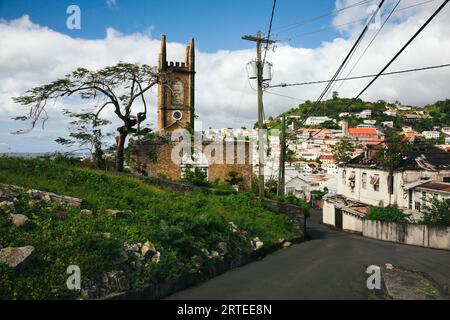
300,35
401,50
283,85
369,45
270,30
312,19
350,54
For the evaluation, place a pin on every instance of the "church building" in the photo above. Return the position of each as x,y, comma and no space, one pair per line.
176,111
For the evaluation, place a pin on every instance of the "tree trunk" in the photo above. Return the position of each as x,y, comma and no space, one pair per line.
120,146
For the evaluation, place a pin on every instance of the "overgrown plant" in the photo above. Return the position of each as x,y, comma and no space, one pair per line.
120,87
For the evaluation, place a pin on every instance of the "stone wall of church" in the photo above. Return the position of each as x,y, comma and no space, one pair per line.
155,159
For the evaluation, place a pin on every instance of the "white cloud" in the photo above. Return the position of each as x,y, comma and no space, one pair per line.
32,55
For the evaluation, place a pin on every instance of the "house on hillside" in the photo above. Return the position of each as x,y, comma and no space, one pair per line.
363,183
314,121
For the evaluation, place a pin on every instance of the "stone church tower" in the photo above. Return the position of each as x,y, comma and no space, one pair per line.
176,91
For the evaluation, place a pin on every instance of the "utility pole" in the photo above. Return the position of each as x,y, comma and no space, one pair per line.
259,65
281,172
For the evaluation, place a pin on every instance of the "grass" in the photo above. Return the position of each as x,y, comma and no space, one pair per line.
179,224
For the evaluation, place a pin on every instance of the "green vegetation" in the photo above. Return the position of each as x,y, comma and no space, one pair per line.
343,151
180,225
388,214
437,213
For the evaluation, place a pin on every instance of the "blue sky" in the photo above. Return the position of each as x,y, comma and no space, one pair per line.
215,24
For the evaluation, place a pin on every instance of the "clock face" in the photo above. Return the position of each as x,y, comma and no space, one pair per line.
177,97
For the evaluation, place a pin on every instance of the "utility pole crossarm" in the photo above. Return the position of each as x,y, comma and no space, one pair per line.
258,39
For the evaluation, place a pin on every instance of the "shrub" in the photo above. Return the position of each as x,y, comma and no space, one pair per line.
388,214
437,214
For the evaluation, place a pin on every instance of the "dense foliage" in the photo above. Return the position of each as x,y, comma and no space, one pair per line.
388,214
437,213
180,225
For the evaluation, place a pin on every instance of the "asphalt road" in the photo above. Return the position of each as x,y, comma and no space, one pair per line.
330,266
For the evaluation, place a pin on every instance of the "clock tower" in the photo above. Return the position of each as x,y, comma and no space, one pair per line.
176,91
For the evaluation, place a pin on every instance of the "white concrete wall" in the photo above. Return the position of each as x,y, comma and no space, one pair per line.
418,235
352,223
328,213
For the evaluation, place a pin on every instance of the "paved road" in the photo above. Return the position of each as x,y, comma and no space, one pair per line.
329,266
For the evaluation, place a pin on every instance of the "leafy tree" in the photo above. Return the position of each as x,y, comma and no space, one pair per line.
437,214
343,151
196,176
119,87
86,133
388,214
396,148
234,178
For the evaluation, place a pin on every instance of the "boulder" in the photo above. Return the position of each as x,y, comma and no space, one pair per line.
86,212
157,257
131,247
233,227
257,244
148,249
287,244
123,257
18,219
116,214
223,248
15,256
7,206
117,281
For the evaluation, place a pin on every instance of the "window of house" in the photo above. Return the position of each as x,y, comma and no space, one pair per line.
417,205
375,181
344,175
364,180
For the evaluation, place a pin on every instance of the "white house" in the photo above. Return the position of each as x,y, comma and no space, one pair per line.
388,124
363,183
431,134
313,121
371,122
364,114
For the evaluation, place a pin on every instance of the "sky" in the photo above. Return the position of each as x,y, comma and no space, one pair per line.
36,47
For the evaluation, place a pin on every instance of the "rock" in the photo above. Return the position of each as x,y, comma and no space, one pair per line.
18,219
106,235
7,206
157,257
233,227
123,257
116,214
39,195
91,292
131,247
148,248
117,281
86,212
197,261
257,244
280,241
214,254
15,256
205,251
287,244
389,266
223,248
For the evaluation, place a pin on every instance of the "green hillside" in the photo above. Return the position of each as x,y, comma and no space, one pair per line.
180,225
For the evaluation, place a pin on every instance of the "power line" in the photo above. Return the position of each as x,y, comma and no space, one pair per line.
299,35
283,85
401,50
370,43
270,30
312,19
285,96
350,54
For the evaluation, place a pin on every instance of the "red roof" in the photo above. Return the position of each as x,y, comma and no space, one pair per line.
362,131
438,186
327,157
